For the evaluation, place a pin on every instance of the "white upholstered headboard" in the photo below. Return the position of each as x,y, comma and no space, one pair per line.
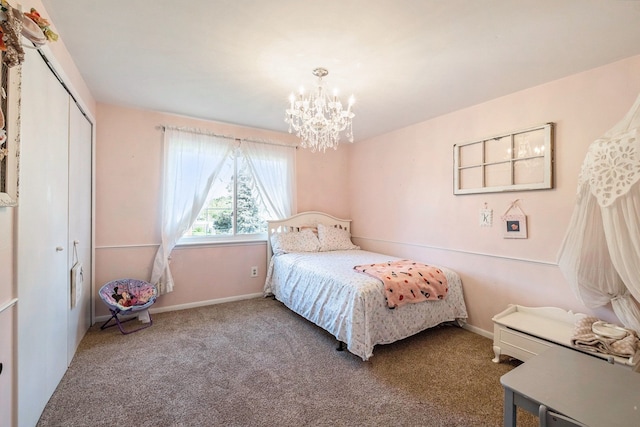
303,220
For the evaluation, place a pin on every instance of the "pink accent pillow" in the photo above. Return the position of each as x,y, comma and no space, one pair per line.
334,239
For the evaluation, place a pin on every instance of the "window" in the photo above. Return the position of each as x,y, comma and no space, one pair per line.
253,182
234,206
209,181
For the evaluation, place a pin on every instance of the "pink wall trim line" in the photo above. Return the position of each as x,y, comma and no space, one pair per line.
8,304
188,245
462,251
134,245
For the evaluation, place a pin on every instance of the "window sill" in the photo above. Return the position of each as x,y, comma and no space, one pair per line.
231,241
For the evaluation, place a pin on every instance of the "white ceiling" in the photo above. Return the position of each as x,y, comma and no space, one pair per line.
405,61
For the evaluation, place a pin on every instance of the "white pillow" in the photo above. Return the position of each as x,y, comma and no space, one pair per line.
334,239
302,241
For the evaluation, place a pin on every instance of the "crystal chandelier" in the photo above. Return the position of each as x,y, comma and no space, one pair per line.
319,118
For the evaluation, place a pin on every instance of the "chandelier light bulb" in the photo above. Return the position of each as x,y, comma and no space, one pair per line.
317,118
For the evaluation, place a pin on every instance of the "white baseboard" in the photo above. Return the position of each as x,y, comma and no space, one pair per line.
466,326
478,331
189,305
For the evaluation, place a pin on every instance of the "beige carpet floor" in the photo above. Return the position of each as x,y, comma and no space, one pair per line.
255,363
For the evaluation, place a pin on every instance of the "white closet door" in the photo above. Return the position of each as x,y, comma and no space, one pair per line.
80,167
42,238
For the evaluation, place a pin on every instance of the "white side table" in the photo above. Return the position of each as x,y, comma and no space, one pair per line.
523,332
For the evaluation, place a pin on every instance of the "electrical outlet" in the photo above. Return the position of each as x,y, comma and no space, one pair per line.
254,271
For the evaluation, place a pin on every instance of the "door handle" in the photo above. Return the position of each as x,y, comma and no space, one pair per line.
59,248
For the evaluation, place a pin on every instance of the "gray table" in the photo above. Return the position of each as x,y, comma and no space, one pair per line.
580,386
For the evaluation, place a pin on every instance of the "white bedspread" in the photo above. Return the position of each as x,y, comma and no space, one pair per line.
324,288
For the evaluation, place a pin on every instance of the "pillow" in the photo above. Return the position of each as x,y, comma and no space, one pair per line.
313,228
334,239
302,241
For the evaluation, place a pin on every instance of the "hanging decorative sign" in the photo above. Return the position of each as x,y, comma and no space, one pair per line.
514,222
486,216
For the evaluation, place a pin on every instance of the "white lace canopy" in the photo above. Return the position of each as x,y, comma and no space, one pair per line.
600,256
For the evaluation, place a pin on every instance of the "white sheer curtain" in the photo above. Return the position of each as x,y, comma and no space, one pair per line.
273,169
191,163
600,256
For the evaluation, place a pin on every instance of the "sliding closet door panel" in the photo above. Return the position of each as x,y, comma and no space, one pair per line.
8,361
42,238
80,167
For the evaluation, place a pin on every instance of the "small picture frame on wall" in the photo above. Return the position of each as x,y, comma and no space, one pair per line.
514,227
514,222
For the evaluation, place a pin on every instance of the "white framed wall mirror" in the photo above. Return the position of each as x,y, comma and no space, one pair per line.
10,80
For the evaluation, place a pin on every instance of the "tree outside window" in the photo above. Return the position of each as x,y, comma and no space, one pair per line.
234,207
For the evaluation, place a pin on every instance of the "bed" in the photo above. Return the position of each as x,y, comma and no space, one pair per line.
311,262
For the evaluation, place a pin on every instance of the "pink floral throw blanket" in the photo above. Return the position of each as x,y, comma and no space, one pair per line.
407,281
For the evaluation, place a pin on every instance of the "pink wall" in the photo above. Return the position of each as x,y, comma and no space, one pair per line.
323,181
402,202
128,182
397,188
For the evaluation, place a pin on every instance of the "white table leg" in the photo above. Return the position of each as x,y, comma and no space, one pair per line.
496,352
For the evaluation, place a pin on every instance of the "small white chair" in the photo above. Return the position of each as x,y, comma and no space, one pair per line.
127,297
